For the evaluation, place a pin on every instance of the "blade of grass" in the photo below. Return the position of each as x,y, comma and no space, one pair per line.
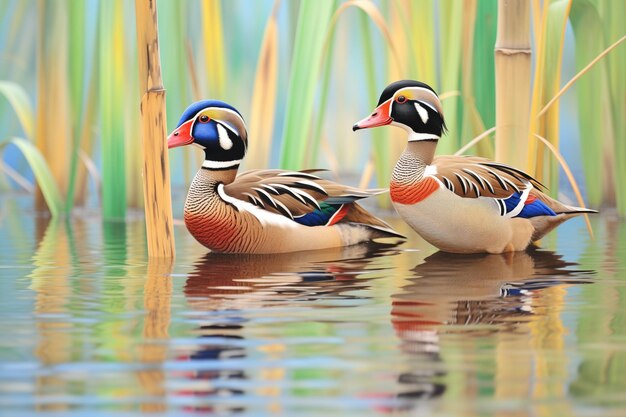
264,95
43,175
594,104
483,67
82,95
20,102
112,109
570,177
450,30
550,46
53,130
214,56
313,21
15,176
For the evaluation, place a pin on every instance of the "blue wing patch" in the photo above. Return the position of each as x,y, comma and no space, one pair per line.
319,217
536,208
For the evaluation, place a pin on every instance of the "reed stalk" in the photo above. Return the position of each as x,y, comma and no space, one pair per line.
595,113
512,77
313,22
213,38
264,94
52,123
549,52
483,72
111,93
157,195
450,34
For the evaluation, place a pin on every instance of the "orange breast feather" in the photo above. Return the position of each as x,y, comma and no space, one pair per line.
412,193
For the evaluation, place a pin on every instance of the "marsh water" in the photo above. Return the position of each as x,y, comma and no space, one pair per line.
89,327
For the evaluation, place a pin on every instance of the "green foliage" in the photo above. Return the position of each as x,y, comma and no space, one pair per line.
112,109
42,173
20,102
313,21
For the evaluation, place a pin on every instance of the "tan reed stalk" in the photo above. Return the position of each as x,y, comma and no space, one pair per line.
156,185
512,62
53,129
264,95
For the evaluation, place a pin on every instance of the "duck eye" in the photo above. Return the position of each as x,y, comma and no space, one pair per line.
401,99
204,119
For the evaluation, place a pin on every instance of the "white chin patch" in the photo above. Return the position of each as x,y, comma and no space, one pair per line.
422,112
225,141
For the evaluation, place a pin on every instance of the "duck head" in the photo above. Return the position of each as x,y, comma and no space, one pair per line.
411,105
217,128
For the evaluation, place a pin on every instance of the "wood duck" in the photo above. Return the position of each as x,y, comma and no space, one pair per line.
461,204
263,211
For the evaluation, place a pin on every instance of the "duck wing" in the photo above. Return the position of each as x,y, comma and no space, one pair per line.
473,177
295,194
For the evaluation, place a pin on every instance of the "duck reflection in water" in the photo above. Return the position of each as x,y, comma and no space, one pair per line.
222,285
451,290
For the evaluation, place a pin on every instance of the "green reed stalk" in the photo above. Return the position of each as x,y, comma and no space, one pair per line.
43,175
77,75
612,13
450,29
52,121
595,115
381,149
483,69
313,21
112,109
549,53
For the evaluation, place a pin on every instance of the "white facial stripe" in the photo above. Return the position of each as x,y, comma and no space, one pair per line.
220,164
422,89
413,136
225,141
422,112
228,125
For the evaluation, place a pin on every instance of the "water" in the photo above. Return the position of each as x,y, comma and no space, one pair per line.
90,328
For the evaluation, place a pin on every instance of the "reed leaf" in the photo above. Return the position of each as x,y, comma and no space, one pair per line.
424,41
111,94
20,102
450,31
42,173
214,57
483,67
547,81
594,104
313,22
53,129
82,94
570,177
264,95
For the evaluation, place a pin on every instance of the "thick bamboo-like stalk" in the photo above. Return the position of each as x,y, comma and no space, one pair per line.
157,296
512,62
156,179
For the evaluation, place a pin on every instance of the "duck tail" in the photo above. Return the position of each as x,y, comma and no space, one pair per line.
379,228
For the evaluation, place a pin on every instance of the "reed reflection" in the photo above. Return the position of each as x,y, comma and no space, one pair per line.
480,297
224,286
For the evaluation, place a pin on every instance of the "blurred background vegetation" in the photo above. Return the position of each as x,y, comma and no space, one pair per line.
301,72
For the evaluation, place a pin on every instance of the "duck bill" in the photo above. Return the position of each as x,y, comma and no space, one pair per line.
380,117
181,136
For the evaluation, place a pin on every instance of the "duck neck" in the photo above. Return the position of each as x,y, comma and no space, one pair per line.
207,179
417,155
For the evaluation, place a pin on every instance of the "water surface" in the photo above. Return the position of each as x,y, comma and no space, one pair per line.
90,328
